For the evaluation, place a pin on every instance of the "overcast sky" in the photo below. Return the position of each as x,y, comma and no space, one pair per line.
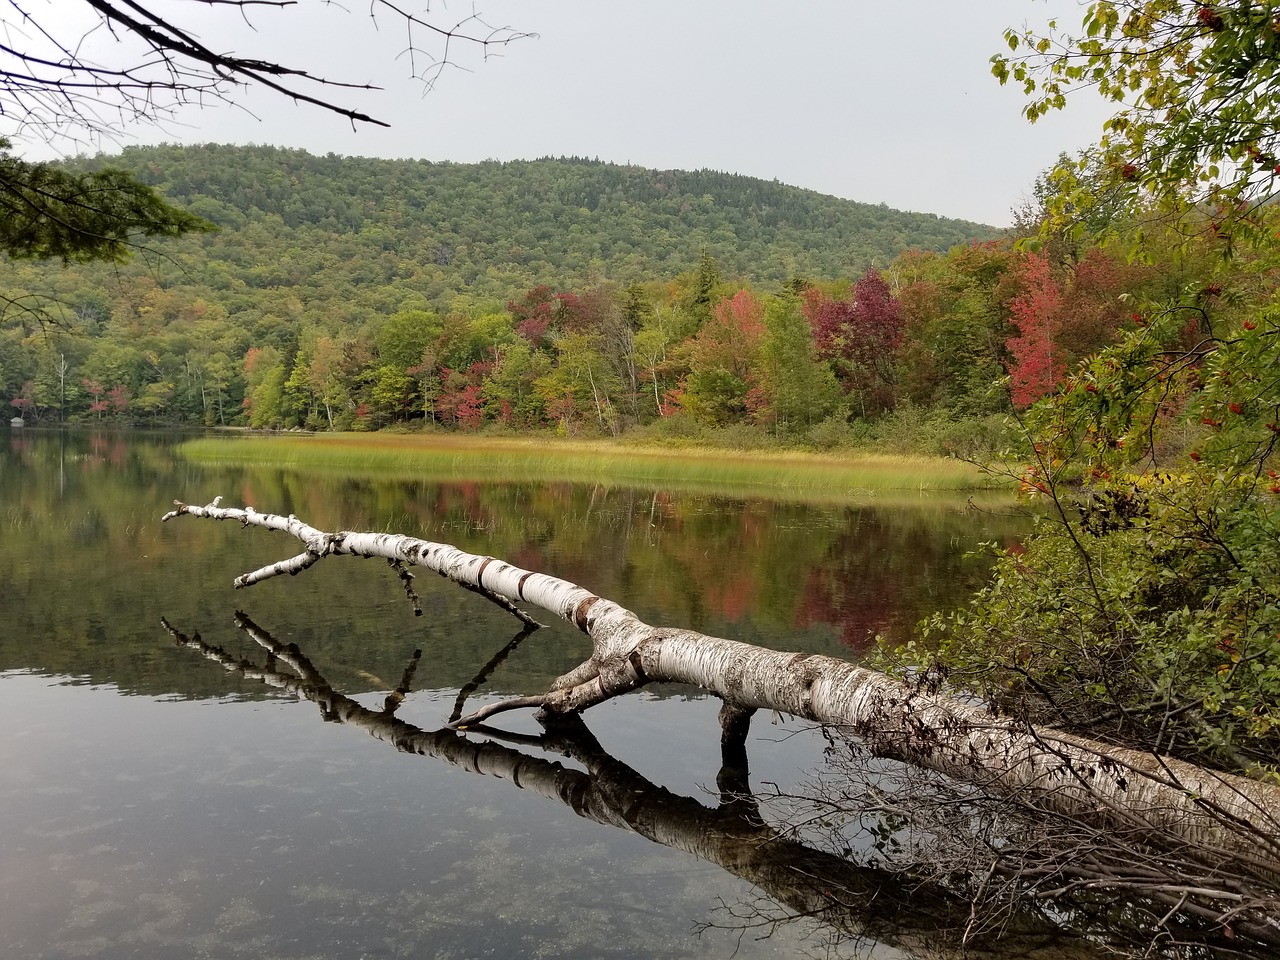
873,101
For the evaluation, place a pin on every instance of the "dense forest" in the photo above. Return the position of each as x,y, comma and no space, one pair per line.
458,235
344,293
313,257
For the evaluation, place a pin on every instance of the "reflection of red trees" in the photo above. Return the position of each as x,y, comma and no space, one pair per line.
882,577
756,570
465,499
105,449
860,606
734,596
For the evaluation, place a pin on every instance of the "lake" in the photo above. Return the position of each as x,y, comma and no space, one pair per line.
158,803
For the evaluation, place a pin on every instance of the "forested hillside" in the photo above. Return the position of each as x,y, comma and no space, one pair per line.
493,229
587,297
582,296
355,292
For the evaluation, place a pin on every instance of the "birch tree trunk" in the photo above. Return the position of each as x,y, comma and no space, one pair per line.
1217,813
924,921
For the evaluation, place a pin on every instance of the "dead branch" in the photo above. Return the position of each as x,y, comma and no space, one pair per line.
1161,796
855,902
51,83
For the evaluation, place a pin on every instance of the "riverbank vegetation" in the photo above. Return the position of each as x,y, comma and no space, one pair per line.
449,457
1147,608
729,305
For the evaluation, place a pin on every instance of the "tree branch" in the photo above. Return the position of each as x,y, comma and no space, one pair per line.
1160,795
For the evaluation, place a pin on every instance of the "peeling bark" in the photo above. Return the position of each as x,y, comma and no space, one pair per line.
1166,798
924,921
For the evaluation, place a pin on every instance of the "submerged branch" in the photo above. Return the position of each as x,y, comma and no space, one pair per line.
1160,796
922,920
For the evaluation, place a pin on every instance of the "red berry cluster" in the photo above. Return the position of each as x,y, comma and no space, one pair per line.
1210,19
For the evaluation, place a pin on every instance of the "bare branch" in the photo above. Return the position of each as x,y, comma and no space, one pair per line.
502,706
51,83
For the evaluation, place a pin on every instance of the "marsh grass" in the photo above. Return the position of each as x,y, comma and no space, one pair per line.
783,475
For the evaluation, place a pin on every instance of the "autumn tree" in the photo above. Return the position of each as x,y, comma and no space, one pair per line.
533,314
859,337
1037,364
723,357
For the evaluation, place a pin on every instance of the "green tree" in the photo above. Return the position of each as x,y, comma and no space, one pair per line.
330,374
47,212
955,328
581,387
406,338
264,374
1148,604
509,391
1199,96
797,390
392,394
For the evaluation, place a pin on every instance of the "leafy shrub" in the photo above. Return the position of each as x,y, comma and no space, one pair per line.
1146,605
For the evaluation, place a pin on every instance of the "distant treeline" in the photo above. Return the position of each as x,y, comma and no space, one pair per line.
350,293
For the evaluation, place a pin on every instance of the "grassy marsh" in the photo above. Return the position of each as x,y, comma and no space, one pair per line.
783,474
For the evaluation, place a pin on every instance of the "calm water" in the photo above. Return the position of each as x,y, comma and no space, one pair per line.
156,805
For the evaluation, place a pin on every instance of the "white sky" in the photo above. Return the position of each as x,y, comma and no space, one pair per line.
874,101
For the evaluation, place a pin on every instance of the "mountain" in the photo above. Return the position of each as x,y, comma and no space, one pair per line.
488,231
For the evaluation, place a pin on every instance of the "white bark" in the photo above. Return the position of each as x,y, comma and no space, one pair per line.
923,920
1163,796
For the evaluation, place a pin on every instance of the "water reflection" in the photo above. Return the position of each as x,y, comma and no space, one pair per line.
162,808
854,905
87,564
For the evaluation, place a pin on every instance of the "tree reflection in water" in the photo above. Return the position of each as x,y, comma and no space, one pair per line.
850,906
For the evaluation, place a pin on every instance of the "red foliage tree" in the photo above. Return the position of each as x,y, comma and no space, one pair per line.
723,357
25,402
541,308
860,338
532,314
1092,308
120,398
95,389
461,403
730,339
470,407
1037,364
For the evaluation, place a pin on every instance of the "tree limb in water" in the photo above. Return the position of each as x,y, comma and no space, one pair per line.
924,921
1160,796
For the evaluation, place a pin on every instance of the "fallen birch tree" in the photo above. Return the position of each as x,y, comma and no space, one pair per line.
924,921
1221,817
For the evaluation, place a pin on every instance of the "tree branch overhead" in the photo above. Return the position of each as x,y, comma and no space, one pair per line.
55,82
